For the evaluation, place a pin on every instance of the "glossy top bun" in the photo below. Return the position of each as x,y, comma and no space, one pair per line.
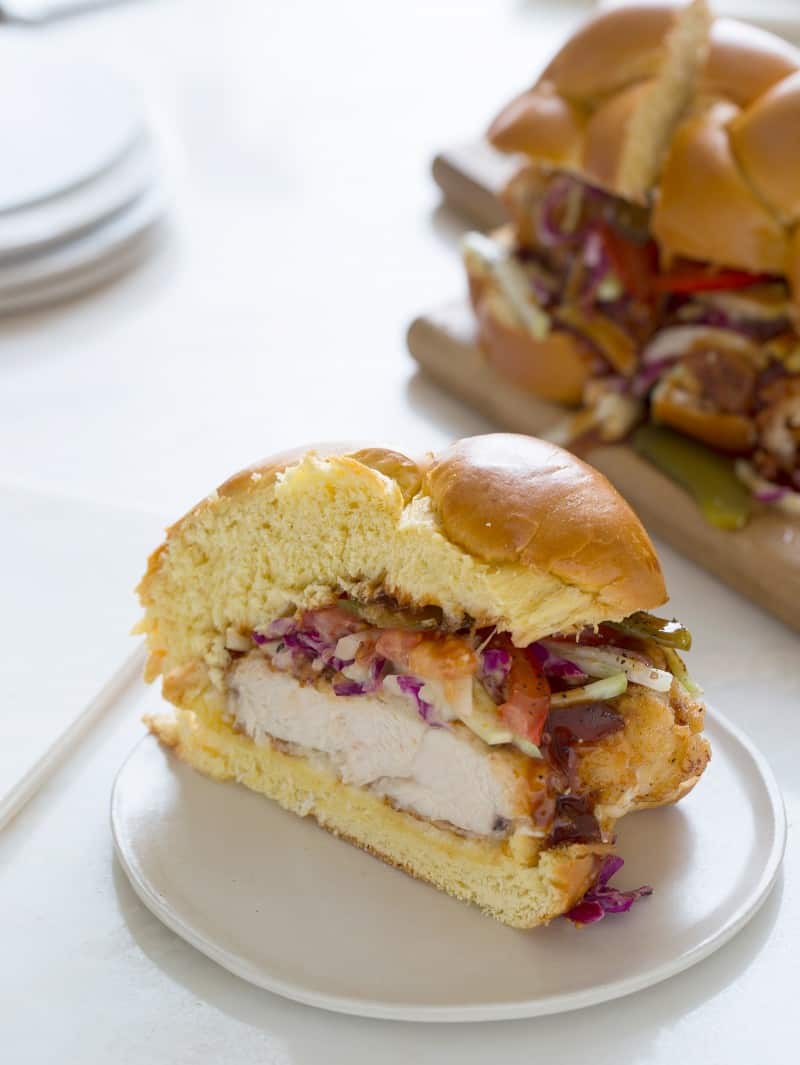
508,498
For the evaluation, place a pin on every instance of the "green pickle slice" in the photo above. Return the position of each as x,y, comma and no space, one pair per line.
664,631
708,477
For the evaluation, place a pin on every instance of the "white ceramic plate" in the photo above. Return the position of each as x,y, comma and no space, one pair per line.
61,124
92,259
286,906
40,226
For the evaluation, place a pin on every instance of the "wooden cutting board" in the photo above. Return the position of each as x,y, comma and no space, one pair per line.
762,561
471,178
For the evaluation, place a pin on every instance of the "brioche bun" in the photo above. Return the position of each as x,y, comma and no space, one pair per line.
661,103
542,124
511,530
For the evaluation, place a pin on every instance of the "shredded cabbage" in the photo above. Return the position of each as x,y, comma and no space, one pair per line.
602,899
494,666
606,661
371,683
404,684
555,666
607,688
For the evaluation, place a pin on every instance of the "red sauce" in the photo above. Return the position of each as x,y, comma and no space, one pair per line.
585,722
574,821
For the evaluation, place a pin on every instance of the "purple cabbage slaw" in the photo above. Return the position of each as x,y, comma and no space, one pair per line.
493,667
555,667
413,686
303,645
775,492
377,671
644,379
771,495
308,646
597,266
298,648
584,237
551,231
767,491
602,899
759,329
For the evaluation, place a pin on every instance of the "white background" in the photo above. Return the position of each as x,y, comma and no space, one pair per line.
305,235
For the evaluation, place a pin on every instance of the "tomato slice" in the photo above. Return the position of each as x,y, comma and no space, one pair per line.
445,658
634,264
397,645
698,277
435,657
528,704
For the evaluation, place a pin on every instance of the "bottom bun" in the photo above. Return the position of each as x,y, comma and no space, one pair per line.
484,872
555,368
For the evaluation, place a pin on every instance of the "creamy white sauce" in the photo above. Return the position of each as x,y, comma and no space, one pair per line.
378,741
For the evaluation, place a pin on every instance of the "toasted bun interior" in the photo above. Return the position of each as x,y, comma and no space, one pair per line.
507,529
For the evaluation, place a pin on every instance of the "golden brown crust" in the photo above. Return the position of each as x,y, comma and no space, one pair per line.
608,54
541,122
514,498
793,263
266,470
743,62
706,209
400,468
767,146
612,50
654,761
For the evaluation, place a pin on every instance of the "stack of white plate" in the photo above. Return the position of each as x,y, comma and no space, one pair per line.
80,192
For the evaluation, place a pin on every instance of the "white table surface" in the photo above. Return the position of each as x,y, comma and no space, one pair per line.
60,577
306,234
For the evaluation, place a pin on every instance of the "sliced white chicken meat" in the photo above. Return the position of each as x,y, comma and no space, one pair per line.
379,742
